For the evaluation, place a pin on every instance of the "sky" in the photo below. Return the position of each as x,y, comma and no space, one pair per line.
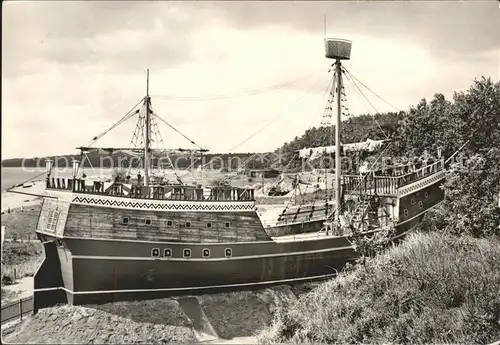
71,69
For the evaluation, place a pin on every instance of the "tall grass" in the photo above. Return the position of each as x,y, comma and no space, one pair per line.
20,260
21,225
433,288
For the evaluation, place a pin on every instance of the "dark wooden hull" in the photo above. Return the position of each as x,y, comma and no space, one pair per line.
97,271
80,268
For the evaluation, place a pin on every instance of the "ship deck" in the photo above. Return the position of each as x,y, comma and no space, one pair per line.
302,237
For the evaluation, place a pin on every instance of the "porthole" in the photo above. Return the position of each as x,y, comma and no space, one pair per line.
125,220
188,224
228,252
147,221
421,204
426,195
228,225
186,253
406,213
169,223
209,225
167,252
413,201
155,252
206,253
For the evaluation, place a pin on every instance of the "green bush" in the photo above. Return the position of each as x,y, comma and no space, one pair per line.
433,288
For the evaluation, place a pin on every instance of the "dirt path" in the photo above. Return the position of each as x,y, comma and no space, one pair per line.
22,289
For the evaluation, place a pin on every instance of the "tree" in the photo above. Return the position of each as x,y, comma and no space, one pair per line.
471,195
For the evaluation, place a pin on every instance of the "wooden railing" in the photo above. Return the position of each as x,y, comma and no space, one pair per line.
388,184
176,192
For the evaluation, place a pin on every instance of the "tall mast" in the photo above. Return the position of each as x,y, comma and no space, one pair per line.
338,172
147,134
338,49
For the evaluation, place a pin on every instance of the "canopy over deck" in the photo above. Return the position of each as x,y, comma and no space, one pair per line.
316,152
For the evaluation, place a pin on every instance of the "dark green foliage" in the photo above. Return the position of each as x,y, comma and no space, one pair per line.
354,129
433,288
472,195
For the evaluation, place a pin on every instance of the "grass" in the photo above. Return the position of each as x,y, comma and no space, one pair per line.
20,259
21,225
433,288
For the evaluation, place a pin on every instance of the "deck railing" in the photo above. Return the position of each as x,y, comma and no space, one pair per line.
388,184
176,192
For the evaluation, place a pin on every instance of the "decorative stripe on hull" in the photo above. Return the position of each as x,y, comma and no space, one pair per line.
169,205
191,288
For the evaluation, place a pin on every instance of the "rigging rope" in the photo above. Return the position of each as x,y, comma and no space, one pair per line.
127,116
158,134
258,131
272,120
28,180
165,122
323,101
243,94
376,110
366,87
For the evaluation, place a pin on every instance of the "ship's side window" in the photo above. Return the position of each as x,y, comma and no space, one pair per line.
228,252
413,201
420,204
186,253
228,225
426,195
155,252
125,220
169,223
147,221
406,213
209,225
188,224
167,252
206,253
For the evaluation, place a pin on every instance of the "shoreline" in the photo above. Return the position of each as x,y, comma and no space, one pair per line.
13,202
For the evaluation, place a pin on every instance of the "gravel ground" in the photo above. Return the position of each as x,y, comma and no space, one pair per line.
79,325
244,313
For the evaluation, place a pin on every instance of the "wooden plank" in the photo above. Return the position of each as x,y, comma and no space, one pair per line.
88,221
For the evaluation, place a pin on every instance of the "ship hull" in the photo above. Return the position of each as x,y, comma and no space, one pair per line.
81,268
100,271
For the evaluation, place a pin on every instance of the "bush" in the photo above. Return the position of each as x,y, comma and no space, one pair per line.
433,288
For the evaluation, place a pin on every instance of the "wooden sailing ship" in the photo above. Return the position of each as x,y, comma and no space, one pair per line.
120,240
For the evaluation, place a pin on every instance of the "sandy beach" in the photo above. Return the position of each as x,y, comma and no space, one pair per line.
14,199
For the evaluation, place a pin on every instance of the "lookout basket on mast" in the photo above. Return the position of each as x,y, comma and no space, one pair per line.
338,49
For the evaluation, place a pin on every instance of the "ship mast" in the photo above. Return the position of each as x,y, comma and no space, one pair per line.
338,172
338,49
147,134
